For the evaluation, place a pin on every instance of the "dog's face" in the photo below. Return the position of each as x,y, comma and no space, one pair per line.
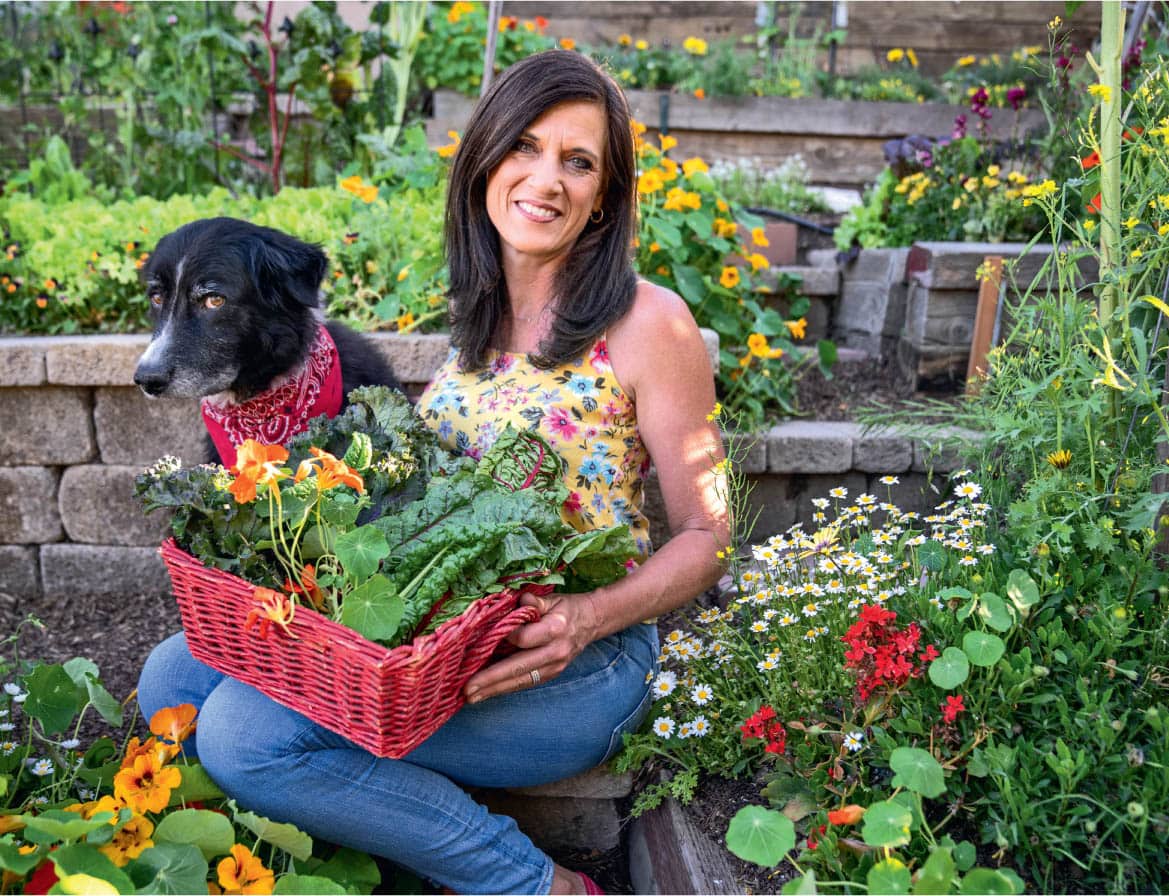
234,307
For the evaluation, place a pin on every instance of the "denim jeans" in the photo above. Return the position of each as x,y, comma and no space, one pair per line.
413,811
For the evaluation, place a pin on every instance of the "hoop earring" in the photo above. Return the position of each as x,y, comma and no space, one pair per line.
599,216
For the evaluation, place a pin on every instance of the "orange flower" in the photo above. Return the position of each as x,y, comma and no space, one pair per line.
1090,161
308,586
798,328
330,471
567,43
451,148
850,814
131,840
729,278
174,723
152,746
242,872
758,346
699,94
255,464
757,261
147,784
272,607
367,193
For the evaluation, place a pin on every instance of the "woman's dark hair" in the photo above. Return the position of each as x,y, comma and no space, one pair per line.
595,287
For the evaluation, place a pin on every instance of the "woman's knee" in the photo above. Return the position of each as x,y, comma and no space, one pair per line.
171,676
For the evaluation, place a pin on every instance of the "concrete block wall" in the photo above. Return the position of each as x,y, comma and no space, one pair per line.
74,434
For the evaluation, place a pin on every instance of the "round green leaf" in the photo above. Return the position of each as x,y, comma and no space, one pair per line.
53,697
983,648
307,884
986,880
803,885
170,868
886,824
86,862
282,835
888,876
993,611
210,831
374,609
917,770
360,551
965,855
950,669
1022,590
760,835
931,556
937,874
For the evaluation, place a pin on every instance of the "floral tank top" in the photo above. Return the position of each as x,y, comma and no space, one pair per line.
578,407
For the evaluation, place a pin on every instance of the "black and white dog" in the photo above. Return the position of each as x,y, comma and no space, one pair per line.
238,324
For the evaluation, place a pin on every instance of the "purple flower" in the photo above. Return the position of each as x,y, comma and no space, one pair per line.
959,127
172,19
1016,96
979,103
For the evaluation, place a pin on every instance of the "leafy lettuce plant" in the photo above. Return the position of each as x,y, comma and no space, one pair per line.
367,519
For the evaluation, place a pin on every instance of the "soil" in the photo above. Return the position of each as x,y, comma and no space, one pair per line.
118,635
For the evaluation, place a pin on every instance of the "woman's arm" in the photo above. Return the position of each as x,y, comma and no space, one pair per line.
660,360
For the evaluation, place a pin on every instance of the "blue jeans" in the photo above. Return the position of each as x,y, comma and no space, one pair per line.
413,811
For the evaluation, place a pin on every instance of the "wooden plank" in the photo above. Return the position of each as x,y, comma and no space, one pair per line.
669,855
988,303
946,265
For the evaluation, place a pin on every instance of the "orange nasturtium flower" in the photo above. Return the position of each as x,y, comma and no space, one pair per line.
174,723
758,346
152,746
757,261
667,142
651,181
729,278
759,237
693,165
146,785
242,872
255,464
451,148
131,840
850,814
272,607
798,328
330,471
367,193
308,586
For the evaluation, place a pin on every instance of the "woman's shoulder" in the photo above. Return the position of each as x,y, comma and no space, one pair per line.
656,335
655,310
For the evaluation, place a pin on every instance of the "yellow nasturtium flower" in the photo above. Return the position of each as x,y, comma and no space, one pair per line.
694,165
729,278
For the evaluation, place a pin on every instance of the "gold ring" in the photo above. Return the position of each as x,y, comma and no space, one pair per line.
535,674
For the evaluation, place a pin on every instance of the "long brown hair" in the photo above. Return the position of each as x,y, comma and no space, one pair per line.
596,284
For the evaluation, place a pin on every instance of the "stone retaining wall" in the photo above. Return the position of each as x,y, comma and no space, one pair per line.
74,435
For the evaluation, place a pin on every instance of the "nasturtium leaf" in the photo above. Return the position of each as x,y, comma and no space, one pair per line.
373,610
936,876
804,885
58,826
886,824
287,837
341,508
53,697
196,785
955,591
983,648
987,881
87,885
107,706
356,871
80,668
360,551
889,876
92,871
994,613
1022,590
965,855
170,868
918,771
949,670
760,835
931,556
210,831
827,353
12,859
307,884
690,284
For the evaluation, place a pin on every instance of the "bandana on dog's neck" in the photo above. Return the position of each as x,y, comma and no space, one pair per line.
276,415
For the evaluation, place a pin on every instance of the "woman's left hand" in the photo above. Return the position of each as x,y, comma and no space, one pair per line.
568,623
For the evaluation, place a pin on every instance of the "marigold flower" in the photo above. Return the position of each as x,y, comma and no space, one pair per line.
242,872
146,785
849,814
798,328
174,723
729,278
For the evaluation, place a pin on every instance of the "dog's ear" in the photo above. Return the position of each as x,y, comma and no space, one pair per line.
286,267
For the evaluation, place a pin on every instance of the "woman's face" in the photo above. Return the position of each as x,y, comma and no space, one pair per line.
541,195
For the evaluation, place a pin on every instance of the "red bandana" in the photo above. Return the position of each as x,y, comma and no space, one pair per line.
275,416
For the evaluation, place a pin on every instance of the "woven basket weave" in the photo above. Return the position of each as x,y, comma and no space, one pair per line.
387,701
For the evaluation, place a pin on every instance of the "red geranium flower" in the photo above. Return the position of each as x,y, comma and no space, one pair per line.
952,708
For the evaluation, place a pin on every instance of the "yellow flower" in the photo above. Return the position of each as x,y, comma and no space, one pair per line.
458,10
1060,459
678,200
651,181
758,346
798,328
242,872
174,723
1054,23
759,238
993,171
729,278
895,55
624,40
567,43
655,247
641,45
970,184
1132,222
1089,224
404,273
911,56
449,150
1136,253
670,168
695,46
130,841
723,208
965,61
713,415
1101,91
146,785
1163,229
957,203
757,261
367,193
724,228
667,142
694,165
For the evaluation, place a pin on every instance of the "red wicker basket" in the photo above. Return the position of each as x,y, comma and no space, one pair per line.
387,701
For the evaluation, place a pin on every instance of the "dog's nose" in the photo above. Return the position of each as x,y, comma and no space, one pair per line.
151,380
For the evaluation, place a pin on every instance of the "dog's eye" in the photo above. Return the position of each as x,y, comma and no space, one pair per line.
155,299
213,301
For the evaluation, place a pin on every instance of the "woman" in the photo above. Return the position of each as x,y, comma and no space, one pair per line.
551,329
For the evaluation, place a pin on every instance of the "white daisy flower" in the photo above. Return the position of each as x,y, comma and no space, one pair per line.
866,500
810,609
702,694
854,740
3,713
663,727
968,560
811,634
41,767
839,492
664,684
71,744
986,549
968,490
759,625
766,664
8,747
11,689
889,480
700,727
937,602
7,726
686,730
788,619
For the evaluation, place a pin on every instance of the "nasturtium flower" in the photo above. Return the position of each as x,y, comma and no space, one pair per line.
242,872
757,261
695,46
729,279
131,840
451,148
330,471
641,44
965,61
174,723
798,328
668,142
367,193
255,464
567,43
651,181
694,165
458,10
895,55
759,237
724,229
850,814
147,784
624,40
759,347
678,200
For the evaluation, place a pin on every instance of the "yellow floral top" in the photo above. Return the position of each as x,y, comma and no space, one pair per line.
579,407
